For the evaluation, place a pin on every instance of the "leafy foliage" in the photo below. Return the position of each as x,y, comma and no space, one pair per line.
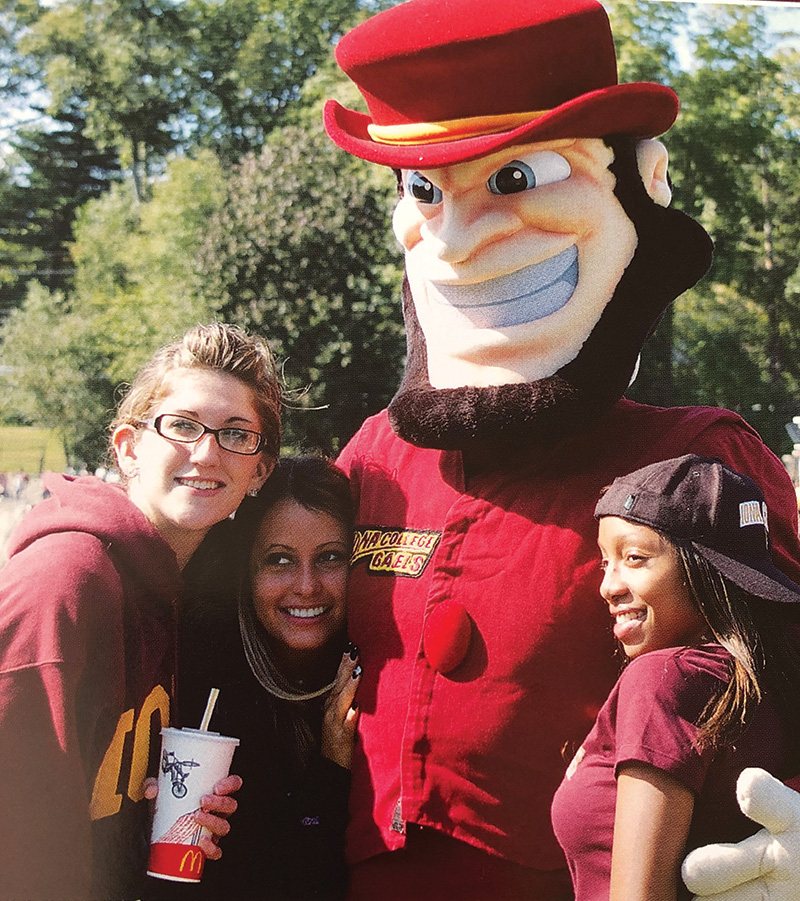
119,62
234,205
136,263
54,173
134,277
57,379
248,61
302,251
644,39
732,341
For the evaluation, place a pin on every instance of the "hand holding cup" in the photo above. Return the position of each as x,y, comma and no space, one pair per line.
193,800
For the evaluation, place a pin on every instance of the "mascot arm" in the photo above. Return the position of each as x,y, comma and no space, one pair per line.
763,867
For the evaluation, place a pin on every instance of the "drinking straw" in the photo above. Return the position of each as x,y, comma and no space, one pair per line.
212,700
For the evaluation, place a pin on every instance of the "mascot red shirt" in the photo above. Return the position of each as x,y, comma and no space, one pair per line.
540,251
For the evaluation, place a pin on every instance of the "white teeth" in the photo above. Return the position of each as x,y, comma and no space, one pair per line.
627,615
305,612
201,485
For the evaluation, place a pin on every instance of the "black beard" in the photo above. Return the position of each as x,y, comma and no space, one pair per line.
672,253
460,418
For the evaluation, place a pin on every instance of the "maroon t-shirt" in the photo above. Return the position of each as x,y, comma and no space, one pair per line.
650,717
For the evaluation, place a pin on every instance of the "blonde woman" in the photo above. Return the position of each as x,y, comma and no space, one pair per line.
88,600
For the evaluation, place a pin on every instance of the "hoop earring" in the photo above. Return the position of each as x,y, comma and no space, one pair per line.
253,492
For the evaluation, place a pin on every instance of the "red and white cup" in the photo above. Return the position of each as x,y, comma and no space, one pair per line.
192,762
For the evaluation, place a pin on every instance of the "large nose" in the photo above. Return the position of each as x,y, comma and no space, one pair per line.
467,223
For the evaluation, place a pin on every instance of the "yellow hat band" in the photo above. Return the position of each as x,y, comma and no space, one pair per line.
450,130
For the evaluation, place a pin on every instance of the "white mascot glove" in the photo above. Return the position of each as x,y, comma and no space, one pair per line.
763,867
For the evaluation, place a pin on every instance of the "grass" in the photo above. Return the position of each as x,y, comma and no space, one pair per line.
31,449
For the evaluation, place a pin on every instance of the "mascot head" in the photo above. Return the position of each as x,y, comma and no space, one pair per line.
540,250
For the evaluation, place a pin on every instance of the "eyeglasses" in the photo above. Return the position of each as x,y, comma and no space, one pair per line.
180,428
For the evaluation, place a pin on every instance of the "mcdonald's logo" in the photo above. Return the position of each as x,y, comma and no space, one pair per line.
194,858
179,862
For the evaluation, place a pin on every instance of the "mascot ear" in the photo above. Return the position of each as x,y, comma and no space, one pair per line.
652,159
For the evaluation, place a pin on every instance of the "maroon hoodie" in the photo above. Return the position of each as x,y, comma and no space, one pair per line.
87,659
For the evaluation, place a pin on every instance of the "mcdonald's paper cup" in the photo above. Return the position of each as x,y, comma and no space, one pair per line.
192,762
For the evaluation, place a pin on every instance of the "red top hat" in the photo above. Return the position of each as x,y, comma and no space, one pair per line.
450,80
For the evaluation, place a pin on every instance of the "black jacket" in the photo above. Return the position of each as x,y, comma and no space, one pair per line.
287,836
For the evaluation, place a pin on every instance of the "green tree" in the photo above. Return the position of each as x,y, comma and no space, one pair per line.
644,38
136,264
155,75
56,377
19,74
120,62
249,60
737,143
55,171
134,289
302,252
140,78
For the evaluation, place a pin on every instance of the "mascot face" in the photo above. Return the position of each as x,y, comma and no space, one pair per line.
512,258
539,248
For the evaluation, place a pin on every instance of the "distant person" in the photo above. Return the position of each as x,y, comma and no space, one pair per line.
19,483
88,604
713,686
277,649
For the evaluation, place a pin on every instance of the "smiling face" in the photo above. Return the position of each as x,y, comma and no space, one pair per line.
512,258
185,488
644,586
298,568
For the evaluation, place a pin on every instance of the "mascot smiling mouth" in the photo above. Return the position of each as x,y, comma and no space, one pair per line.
532,293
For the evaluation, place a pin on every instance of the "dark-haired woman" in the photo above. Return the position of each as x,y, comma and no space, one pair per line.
287,676
713,685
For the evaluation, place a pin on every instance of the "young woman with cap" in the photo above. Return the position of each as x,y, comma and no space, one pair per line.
713,685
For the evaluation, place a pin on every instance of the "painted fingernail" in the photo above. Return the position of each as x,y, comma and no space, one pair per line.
354,705
354,652
357,671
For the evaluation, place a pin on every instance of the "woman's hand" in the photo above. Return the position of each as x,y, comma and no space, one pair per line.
213,812
340,716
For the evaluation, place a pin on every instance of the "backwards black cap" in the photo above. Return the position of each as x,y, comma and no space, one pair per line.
721,512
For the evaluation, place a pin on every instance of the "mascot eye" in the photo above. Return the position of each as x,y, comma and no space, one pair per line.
423,190
538,169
